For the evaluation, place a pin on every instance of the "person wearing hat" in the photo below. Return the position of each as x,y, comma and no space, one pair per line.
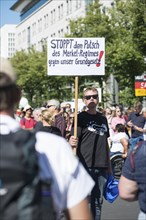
27,122
56,159
53,106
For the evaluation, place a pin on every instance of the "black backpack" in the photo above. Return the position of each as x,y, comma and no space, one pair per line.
22,195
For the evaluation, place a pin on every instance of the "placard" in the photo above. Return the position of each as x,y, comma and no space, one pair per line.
76,56
140,85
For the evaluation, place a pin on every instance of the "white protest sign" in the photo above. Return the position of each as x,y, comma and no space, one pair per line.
76,56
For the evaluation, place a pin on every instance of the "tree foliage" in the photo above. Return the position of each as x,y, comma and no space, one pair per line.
123,27
124,57
36,85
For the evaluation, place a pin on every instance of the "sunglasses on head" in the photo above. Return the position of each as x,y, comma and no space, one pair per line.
48,106
88,97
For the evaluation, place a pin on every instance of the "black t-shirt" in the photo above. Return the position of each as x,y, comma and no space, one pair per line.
93,132
38,126
51,129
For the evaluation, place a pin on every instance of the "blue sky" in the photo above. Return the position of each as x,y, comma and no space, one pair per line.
8,16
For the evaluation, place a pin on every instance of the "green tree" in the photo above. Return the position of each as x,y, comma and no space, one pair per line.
32,76
120,25
124,58
37,86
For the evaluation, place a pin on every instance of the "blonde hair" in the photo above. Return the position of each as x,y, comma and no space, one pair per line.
144,109
47,116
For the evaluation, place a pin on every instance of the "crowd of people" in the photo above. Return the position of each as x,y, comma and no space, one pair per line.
56,118
77,179
62,115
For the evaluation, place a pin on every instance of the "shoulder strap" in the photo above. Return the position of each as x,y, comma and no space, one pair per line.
133,153
23,119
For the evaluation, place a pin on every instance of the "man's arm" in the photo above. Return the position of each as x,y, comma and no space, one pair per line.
128,189
125,144
80,211
140,129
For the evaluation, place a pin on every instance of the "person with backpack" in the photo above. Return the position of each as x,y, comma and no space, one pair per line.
36,167
132,184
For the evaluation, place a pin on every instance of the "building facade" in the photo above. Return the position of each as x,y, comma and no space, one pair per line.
7,40
42,19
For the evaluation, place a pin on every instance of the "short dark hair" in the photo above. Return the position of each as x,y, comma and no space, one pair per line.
120,128
137,104
9,93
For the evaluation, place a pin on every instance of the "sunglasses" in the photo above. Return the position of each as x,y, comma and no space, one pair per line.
88,97
48,106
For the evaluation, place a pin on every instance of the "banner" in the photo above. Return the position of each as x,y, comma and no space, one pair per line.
140,85
76,56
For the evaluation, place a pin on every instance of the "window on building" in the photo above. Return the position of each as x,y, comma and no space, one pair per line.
39,25
61,11
67,2
69,6
19,38
28,36
61,33
34,29
51,17
67,30
54,16
45,21
23,36
78,4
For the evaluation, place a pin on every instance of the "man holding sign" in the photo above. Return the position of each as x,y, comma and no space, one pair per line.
92,147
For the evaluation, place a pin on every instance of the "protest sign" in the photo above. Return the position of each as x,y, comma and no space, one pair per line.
76,56
140,85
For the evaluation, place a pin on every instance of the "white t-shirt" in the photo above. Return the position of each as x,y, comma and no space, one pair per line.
71,182
116,145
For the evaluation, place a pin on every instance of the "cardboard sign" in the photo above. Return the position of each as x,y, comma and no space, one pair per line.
76,56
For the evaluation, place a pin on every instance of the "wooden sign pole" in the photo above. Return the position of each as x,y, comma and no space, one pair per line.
76,109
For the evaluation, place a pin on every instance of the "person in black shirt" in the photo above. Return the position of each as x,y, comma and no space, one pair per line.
136,119
132,184
92,147
47,120
53,106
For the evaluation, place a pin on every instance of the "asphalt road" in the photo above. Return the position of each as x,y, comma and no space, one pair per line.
120,210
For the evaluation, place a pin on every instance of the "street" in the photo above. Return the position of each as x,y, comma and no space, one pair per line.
120,210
